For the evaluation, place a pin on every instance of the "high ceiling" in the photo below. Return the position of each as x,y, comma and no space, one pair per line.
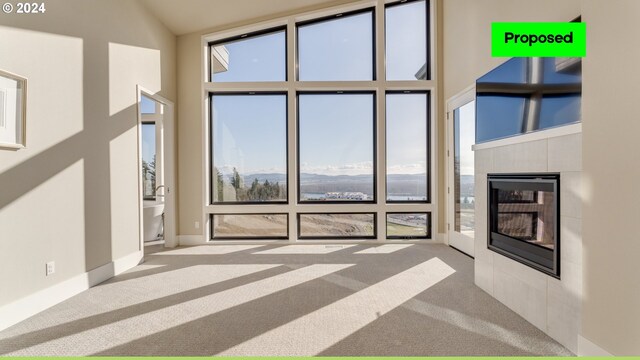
187,16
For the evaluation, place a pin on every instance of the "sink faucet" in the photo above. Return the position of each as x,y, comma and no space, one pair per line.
158,188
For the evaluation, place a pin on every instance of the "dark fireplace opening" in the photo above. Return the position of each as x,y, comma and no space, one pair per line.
524,214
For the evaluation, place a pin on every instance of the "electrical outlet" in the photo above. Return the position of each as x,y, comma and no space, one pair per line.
197,224
51,267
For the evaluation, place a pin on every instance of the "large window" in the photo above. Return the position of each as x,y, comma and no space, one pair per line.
249,137
344,170
319,126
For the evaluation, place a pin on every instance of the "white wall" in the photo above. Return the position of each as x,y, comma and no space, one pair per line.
72,195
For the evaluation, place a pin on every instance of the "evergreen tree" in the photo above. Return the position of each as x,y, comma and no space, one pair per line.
220,185
238,185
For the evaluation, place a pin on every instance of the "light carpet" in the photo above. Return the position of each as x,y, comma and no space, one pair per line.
273,300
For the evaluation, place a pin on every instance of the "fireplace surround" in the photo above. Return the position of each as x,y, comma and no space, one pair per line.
523,219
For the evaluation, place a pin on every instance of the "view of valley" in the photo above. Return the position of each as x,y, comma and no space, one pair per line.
314,187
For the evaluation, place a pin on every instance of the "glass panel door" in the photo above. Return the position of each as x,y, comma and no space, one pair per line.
462,186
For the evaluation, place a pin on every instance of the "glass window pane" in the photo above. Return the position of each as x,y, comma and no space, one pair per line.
337,49
252,226
149,161
464,179
249,144
407,147
499,116
556,110
147,106
408,225
336,147
337,225
253,58
406,41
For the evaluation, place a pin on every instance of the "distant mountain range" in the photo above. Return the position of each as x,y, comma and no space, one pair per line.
318,178
401,184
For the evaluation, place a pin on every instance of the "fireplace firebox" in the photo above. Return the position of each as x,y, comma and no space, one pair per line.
524,219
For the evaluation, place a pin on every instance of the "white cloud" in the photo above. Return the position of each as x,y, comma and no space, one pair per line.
405,169
228,170
361,168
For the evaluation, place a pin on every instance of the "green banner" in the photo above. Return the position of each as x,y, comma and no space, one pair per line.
539,39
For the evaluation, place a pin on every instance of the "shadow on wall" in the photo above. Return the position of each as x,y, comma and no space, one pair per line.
82,71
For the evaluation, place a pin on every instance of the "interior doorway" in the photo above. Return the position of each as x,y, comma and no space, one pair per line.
461,180
156,161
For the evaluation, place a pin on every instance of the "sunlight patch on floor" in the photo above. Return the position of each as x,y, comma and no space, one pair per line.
319,330
467,322
119,333
384,249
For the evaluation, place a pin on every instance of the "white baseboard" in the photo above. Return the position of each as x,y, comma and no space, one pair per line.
588,348
190,240
30,305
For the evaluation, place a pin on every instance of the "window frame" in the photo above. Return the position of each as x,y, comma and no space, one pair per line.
374,157
427,27
211,162
428,155
292,86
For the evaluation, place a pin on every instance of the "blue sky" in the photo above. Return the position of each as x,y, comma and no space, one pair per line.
406,133
336,131
406,40
339,49
249,133
336,134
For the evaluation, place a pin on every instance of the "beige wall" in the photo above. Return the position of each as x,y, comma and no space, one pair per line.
189,134
72,195
611,308
611,81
